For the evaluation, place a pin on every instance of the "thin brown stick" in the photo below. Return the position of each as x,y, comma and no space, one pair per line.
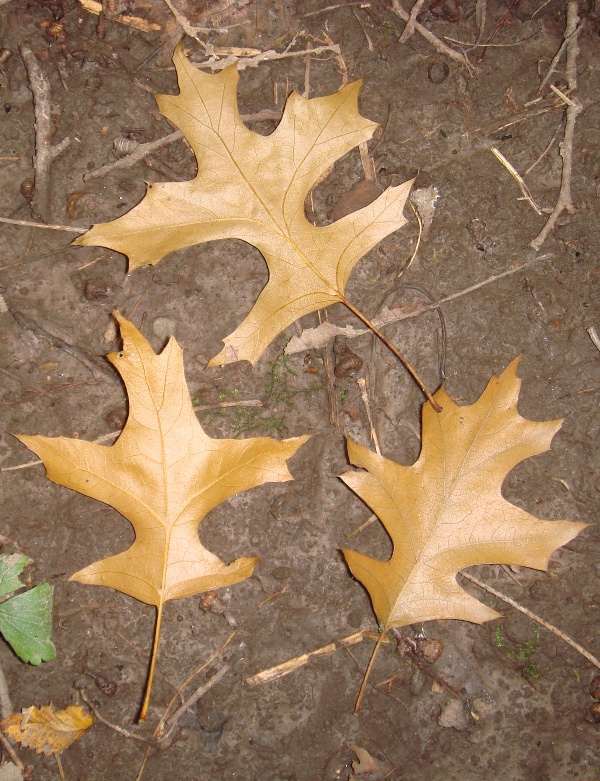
115,727
328,365
534,617
566,147
200,692
29,224
333,8
397,315
517,177
433,39
556,58
396,352
45,151
11,752
61,772
410,24
6,708
364,393
285,668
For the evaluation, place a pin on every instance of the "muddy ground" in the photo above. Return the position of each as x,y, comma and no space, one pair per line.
507,699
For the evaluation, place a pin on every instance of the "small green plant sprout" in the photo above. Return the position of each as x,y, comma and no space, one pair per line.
525,652
343,395
25,614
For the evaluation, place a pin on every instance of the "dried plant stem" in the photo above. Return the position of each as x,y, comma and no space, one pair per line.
115,727
29,224
6,707
517,177
287,667
200,692
61,772
146,702
433,39
11,752
396,352
364,393
573,109
410,24
45,151
534,617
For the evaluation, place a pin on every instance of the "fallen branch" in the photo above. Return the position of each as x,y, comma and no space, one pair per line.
573,109
534,617
45,151
200,692
410,24
433,39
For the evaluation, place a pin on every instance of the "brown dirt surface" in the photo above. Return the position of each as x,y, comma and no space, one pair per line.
504,700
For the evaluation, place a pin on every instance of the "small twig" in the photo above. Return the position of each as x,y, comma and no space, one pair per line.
407,265
364,29
331,8
536,162
329,366
556,58
517,177
433,39
362,384
367,162
29,224
285,668
251,62
200,692
94,7
11,752
534,617
143,150
371,519
45,151
566,147
75,352
115,727
6,708
593,334
61,771
412,18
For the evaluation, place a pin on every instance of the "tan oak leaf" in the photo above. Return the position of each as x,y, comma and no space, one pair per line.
447,512
253,187
164,474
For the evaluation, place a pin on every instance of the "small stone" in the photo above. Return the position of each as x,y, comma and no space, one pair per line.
595,687
282,573
290,507
49,366
164,327
93,290
116,419
110,332
454,715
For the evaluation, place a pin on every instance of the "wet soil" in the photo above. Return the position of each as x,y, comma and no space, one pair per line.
507,699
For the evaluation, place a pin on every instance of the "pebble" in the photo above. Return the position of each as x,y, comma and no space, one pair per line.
164,327
455,715
49,366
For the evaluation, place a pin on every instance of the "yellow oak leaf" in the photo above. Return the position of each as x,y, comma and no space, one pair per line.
446,511
46,730
164,474
253,188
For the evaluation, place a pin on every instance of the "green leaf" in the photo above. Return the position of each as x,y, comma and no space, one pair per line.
11,567
26,618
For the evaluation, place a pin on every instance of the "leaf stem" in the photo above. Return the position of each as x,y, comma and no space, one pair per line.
146,702
396,352
363,685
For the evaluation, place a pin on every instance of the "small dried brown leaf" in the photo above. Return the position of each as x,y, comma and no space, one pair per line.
46,730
